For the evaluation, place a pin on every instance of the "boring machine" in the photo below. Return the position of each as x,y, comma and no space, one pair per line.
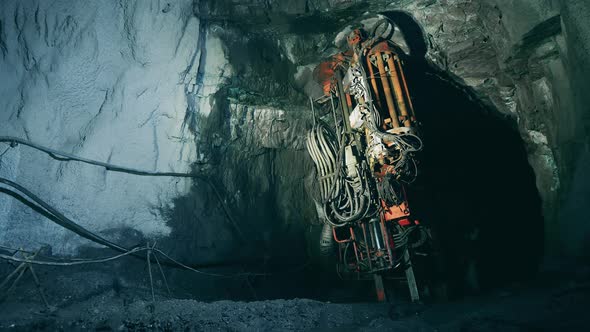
365,158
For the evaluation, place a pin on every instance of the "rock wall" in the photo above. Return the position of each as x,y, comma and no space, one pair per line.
107,80
165,86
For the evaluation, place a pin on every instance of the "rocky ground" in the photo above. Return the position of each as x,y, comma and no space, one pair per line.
554,302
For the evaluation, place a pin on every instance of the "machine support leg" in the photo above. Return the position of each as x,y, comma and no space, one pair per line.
414,294
379,288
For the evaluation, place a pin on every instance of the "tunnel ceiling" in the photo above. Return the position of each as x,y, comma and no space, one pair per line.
222,87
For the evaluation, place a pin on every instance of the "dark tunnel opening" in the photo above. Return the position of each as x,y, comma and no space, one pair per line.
476,189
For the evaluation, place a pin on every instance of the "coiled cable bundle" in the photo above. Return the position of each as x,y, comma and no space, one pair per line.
350,204
345,198
321,148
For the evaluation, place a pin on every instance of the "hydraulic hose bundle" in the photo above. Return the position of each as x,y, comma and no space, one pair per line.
344,194
342,191
323,152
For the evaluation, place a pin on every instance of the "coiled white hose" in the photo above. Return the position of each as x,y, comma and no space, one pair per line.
345,199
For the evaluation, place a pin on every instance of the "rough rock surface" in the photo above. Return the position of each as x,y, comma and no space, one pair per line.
163,86
110,81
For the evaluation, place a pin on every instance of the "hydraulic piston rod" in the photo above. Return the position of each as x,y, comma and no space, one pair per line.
399,96
387,90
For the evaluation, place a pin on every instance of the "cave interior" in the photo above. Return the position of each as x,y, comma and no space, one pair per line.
154,172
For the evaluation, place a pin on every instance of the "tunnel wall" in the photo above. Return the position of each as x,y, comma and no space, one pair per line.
107,80
148,85
543,49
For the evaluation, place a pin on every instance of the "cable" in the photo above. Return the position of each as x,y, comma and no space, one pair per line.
46,210
54,215
320,146
63,156
83,261
345,199
201,272
170,261
382,34
406,145
107,259
72,263
3,153
38,255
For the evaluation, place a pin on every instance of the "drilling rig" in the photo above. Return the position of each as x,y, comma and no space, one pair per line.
366,159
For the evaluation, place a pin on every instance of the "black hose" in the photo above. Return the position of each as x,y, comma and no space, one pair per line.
57,216
63,156
378,25
326,241
40,206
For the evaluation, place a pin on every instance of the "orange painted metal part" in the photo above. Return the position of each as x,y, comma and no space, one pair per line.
379,288
380,47
403,77
325,72
350,239
348,100
386,90
404,222
396,211
354,38
403,102
399,96
373,82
